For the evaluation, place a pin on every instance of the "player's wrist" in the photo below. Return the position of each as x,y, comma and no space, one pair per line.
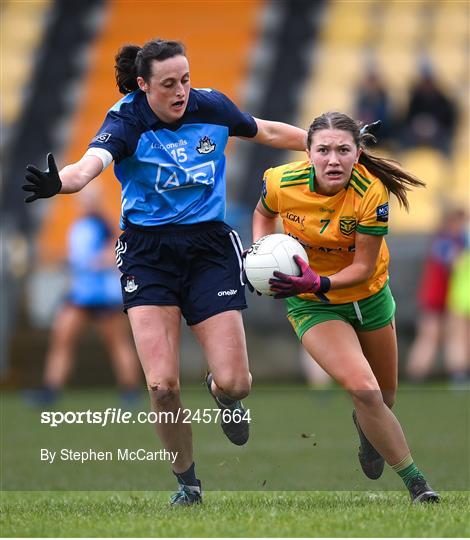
325,284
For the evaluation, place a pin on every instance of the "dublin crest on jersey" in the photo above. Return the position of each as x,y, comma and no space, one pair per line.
347,225
131,285
206,146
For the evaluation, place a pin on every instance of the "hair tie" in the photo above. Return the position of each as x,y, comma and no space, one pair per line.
371,128
368,132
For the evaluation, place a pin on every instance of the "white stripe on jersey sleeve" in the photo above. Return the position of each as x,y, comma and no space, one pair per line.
105,156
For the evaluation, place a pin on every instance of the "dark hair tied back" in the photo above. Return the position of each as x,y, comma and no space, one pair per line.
125,68
133,61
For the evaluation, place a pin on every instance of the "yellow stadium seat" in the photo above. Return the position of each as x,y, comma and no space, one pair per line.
422,218
428,164
450,24
21,32
401,24
460,179
425,204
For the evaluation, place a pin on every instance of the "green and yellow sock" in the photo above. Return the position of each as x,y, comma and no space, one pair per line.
407,470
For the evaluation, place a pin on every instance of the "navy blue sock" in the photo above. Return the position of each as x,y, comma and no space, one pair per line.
188,477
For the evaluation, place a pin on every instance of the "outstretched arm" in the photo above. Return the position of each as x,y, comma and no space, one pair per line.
76,176
72,178
280,135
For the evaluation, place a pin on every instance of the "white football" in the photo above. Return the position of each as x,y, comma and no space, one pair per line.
268,254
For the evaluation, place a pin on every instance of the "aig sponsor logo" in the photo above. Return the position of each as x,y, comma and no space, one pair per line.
170,176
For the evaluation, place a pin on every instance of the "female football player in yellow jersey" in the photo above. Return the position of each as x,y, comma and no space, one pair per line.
336,205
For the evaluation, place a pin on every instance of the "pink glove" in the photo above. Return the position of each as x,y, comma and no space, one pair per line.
308,282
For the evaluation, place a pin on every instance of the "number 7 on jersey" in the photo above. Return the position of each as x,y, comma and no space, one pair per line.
326,223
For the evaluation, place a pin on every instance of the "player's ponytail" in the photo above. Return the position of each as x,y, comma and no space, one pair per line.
395,179
133,61
126,69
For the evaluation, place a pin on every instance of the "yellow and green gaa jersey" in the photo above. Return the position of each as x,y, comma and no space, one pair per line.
327,226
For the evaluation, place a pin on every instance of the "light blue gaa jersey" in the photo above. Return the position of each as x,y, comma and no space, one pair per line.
92,281
172,173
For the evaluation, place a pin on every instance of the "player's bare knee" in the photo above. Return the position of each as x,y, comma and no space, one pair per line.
366,396
235,388
164,393
239,392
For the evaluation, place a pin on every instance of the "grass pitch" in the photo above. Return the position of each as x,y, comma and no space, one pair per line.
297,476
233,514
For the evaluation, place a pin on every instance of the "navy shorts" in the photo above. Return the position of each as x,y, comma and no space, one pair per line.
196,267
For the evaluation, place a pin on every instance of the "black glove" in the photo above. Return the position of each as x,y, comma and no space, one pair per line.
43,184
245,279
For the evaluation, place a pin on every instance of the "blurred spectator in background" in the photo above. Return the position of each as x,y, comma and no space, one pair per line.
433,325
372,103
431,117
458,304
94,295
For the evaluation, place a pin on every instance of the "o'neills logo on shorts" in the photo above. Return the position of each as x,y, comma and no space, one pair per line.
231,292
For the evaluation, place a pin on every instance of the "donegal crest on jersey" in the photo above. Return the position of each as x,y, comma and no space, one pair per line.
327,226
347,225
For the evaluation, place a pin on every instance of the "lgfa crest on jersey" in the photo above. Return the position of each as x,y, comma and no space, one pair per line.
206,146
347,225
131,285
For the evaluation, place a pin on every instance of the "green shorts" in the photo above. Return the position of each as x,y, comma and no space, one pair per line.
370,313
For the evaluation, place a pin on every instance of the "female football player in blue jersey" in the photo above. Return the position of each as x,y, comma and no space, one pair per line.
176,255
